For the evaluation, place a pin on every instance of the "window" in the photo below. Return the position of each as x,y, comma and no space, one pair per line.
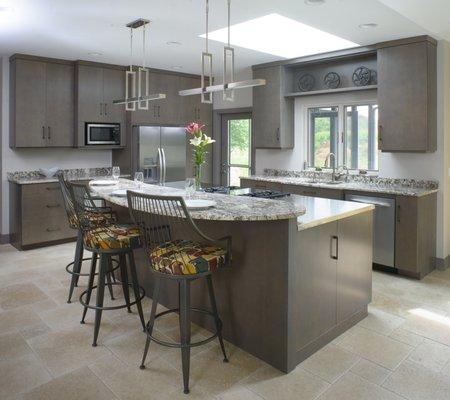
347,130
239,149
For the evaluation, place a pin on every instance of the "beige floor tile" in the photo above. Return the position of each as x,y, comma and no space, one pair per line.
376,348
212,374
20,375
66,350
13,345
44,305
330,363
76,385
415,382
64,316
35,330
239,393
407,337
370,371
18,318
353,387
431,355
20,294
195,393
10,276
272,384
380,321
131,383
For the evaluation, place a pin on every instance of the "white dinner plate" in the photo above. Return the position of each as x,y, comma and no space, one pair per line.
199,204
103,182
119,193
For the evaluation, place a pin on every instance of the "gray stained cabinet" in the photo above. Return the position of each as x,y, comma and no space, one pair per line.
407,97
273,114
314,191
96,88
41,102
37,215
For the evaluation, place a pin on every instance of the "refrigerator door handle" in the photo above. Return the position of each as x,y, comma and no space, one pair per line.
164,165
160,168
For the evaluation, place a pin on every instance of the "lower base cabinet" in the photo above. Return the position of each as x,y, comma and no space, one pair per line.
38,216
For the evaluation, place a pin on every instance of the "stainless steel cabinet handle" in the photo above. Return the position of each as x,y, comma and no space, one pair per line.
154,111
49,133
380,128
334,250
52,205
105,109
43,132
52,188
159,109
54,229
278,134
398,213
101,108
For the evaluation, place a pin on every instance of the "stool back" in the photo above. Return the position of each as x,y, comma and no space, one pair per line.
163,219
68,202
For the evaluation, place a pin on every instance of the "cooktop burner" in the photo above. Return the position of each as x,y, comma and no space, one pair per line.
238,191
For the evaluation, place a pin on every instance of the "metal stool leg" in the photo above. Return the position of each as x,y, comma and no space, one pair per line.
151,321
108,277
76,265
134,281
124,279
185,331
100,293
216,315
90,284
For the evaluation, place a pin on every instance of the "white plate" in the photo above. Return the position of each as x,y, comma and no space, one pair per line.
119,193
103,182
199,204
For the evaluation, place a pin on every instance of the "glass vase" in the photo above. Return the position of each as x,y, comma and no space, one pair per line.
198,176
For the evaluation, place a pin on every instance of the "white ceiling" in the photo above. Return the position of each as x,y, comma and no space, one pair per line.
73,28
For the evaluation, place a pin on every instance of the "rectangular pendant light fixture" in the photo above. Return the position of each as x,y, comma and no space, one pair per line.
139,76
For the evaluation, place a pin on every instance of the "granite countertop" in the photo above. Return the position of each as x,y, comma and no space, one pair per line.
228,208
80,174
322,211
375,185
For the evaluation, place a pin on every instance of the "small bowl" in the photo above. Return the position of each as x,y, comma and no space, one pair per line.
48,172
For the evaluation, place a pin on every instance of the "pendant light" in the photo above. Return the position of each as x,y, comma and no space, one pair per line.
228,85
143,96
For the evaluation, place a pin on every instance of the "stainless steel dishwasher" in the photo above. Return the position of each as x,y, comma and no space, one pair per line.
383,227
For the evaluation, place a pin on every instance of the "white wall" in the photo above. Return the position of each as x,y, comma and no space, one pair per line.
33,159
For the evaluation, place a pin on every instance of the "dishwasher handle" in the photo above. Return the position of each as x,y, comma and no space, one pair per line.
375,203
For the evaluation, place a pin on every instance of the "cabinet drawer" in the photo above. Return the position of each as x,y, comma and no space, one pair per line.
335,194
248,183
34,232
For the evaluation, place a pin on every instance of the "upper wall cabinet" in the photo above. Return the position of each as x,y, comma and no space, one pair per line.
407,96
273,114
96,86
41,102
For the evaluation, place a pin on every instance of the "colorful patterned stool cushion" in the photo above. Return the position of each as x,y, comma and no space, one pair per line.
115,236
184,257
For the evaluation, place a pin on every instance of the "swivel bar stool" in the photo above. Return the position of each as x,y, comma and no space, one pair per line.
104,214
166,227
105,240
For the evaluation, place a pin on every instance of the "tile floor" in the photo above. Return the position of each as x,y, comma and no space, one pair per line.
400,351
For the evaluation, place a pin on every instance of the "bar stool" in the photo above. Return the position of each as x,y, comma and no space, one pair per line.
104,214
105,240
165,226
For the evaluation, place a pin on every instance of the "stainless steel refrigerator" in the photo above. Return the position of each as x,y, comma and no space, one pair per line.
162,153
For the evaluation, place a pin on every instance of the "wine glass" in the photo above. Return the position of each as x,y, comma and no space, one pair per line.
139,178
190,187
115,173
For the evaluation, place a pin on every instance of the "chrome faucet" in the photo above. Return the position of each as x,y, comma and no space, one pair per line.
328,162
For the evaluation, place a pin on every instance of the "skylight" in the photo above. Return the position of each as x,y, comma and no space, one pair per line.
281,36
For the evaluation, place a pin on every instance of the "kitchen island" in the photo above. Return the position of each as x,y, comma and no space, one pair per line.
300,276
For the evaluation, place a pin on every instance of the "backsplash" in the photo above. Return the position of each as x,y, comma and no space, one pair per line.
365,179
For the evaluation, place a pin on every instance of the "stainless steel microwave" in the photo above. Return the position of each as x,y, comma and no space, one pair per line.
98,134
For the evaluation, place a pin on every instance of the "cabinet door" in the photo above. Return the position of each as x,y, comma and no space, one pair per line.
150,116
90,94
354,265
335,194
29,107
403,97
190,105
59,105
314,280
169,109
406,233
266,109
113,89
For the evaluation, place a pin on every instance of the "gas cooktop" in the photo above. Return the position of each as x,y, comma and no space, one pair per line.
250,192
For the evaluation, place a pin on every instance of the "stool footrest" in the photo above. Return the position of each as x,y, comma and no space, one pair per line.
179,345
69,267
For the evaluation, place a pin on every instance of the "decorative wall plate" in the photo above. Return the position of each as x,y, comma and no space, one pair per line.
332,80
305,83
361,76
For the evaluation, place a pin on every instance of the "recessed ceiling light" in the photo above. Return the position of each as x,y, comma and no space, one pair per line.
173,43
314,2
286,37
176,67
370,25
95,53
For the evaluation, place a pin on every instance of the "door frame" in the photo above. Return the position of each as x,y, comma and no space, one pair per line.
217,136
